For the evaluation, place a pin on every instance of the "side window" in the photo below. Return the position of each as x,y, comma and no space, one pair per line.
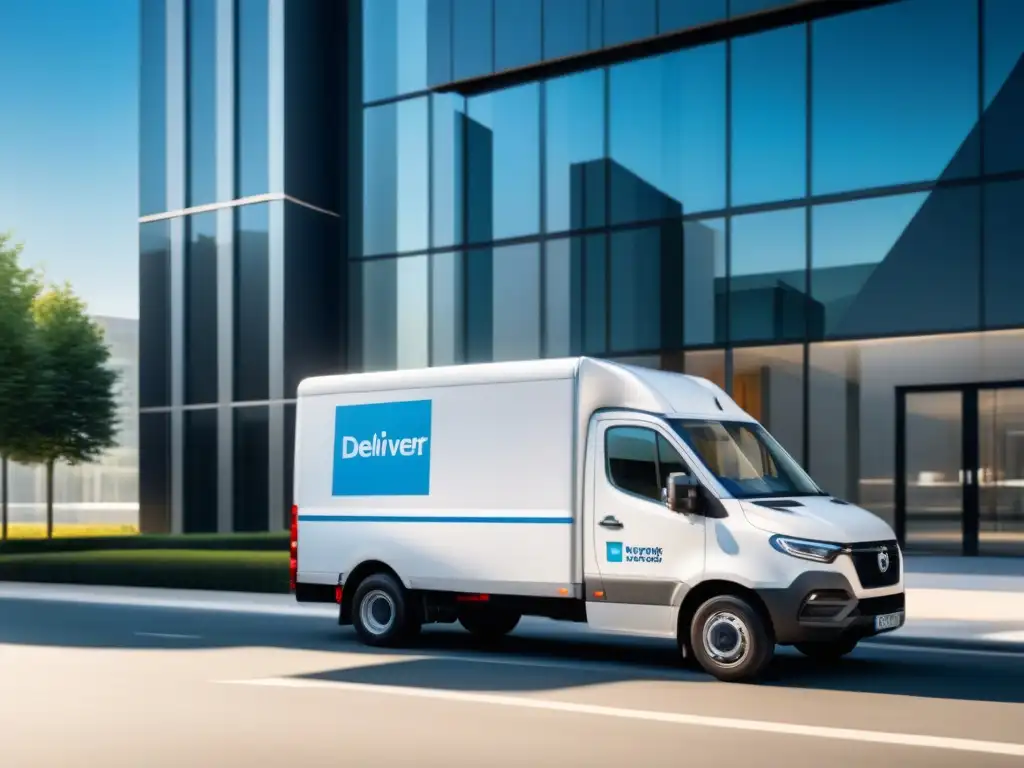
640,461
669,461
632,456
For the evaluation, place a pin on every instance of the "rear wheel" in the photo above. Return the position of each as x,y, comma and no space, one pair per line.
489,624
828,650
730,640
381,613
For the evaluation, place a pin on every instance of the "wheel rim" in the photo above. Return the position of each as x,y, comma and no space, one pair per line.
726,639
377,612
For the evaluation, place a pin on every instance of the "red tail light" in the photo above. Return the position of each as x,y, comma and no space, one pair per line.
293,555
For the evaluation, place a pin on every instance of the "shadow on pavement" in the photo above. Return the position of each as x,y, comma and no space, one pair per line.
876,669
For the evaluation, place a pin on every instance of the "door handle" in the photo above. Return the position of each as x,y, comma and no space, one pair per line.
610,522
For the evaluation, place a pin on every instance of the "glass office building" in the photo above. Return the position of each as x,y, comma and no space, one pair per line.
818,205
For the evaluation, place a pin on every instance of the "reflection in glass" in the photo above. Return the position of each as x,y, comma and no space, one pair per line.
155,472
908,111
251,303
769,77
200,470
1004,247
704,282
667,133
866,253
396,189
517,302
683,14
628,20
566,26
934,474
1004,85
394,48
768,383
562,293
479,297
250,459
412,297
153,108
575,169
202,103
517,33
252,152
744,7
439,42
768,282
313,314
201,309
449,127
447,309
395,318
154,314
378,324
1001,471
646,270
472,36
503,157
575,296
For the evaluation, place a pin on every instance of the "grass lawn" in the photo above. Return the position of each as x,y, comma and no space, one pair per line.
241,571
68,530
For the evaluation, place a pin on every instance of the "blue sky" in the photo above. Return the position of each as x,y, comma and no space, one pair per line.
69,143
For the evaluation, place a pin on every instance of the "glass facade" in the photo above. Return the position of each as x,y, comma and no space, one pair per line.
817,229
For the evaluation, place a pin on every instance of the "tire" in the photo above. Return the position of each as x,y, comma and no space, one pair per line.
488,624
828,650
382,615
730,640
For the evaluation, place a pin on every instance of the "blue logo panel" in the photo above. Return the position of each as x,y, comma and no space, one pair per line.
382,449
614,551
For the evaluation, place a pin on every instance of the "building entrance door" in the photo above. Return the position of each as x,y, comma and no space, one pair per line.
960,469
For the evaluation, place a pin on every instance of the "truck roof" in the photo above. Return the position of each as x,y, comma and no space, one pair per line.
603,384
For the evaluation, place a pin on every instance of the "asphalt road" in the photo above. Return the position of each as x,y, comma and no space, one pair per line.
144,687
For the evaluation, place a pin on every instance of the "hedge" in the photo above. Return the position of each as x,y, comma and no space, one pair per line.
231,542
169,568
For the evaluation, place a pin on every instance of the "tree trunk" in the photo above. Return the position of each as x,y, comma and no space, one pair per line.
3,497
49,499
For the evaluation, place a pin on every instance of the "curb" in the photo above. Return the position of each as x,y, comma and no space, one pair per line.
947,644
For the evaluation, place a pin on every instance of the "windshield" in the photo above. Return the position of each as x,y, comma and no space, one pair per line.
745,459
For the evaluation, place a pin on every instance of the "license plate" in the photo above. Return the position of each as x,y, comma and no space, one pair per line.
888,621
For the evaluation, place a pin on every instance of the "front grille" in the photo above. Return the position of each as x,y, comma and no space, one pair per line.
866,559
876,606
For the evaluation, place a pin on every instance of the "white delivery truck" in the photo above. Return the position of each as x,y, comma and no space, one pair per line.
638,501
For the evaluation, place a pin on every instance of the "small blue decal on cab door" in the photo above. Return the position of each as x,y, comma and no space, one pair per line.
382,449
614,551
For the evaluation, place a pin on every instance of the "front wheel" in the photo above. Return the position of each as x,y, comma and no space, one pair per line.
828,650
730,640
381,614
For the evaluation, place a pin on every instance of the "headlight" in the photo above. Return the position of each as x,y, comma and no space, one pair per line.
818,551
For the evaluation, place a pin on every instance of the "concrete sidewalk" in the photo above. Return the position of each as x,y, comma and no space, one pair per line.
970,602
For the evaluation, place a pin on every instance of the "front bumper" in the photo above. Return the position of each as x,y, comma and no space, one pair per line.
821,606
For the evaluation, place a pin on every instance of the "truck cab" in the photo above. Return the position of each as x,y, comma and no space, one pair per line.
705,522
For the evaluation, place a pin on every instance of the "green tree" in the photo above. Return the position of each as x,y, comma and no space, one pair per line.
74,415
19,363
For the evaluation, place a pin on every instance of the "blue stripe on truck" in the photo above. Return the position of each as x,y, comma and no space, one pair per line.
432,519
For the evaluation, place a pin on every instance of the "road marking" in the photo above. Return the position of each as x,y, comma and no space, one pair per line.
945,651
674,718
168,636
1005,637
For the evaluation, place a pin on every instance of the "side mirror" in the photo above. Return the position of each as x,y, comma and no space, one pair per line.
684,494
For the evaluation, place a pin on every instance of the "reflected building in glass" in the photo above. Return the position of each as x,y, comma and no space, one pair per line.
814,204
